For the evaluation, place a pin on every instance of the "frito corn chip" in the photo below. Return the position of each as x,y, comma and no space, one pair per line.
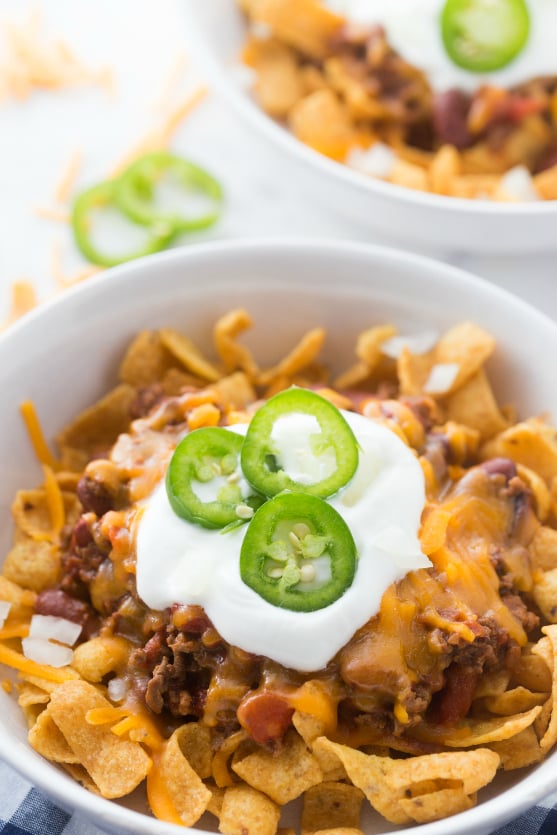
543,548
545,595
234,392
94,659
549,738
437,804
321,120
194,740
282,776
386,781
96,428
234,355
188,355
484,731
115,765
47,739
31,513
279,82
466,346
514,701
246,811
30,694
146,360
474,405
531,443
300,357
305,24
176,793
520,750
33,563
330,805
531,671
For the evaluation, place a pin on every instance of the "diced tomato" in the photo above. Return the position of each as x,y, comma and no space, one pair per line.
265,716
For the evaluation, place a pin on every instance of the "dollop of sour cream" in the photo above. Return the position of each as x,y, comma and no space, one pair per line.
414,30
180,562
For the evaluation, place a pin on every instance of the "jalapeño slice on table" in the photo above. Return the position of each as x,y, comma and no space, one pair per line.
203,480
484,35
136,192
299,441
101,198
298,553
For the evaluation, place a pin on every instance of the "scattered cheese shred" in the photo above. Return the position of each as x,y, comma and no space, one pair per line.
52,213
158,138
32,62
67,180
16,630
36,436
23,299
175,74
17,661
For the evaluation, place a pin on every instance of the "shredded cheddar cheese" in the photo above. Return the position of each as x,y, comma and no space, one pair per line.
32,62
36,435
17,661
159,138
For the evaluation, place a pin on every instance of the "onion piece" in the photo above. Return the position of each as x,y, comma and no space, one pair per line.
417,343
441,377
377,161
54,628
517,183
45,652
117,689
4,610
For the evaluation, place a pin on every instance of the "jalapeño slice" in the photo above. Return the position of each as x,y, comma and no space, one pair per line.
299,441
99,198
136,187
298,553
484,35
203,480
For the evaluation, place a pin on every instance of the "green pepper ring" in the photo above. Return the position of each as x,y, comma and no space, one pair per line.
323,520
258,445
134,190
462,39
101,196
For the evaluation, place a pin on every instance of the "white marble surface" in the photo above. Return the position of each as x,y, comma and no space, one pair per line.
143,42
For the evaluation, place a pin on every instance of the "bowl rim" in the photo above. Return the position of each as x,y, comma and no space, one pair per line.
278,134
534,786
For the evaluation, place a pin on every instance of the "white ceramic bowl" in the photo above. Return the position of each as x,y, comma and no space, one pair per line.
65,354
215,32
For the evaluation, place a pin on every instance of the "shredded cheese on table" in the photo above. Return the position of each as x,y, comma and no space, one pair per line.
32,62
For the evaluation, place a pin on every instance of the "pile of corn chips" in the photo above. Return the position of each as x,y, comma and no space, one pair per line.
331,105
112,745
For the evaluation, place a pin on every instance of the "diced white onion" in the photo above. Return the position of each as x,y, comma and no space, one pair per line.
376,161
4,609
518,184
441,377
117,689
45,652
57,629
417,343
